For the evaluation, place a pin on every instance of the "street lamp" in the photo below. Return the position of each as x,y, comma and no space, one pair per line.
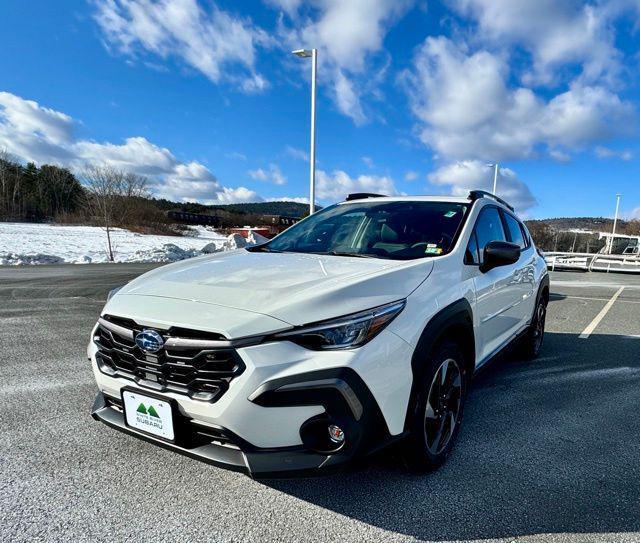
495,176
615,222
313,54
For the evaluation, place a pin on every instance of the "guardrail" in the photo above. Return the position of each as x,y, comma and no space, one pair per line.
592,262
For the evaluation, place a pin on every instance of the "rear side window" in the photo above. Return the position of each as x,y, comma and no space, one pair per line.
515,232
489,228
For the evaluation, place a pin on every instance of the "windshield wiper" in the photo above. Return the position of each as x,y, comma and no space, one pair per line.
340,253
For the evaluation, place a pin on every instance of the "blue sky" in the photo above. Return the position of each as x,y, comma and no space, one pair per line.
414,97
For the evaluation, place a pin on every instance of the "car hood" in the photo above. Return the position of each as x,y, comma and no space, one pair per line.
292,288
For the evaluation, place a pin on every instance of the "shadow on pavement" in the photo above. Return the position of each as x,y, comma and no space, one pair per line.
549,446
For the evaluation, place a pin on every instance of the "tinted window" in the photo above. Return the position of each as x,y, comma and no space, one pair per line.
471,255
515,232
489,228
525,235
398,230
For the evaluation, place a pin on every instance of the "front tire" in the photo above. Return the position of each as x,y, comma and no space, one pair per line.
439,407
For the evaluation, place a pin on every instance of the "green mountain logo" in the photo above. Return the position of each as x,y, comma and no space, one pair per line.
151,411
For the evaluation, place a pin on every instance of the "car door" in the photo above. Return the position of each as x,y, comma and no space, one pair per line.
497,290
525,268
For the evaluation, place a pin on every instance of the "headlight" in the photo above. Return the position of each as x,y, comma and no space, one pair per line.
345,332
112,293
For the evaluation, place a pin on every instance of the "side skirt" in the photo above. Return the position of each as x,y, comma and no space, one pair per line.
501,352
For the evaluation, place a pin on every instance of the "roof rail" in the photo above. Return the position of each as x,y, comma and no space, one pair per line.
362,195
477,194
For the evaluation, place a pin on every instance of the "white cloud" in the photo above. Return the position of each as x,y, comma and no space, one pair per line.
236,155
467,175
347,99
411,176
368,162
299,154
297,199
349,37
634,214
258,175
136,154
555,34
212,41
272,175
467,110
51,125
605,152
337,185
232,196
289,6
42,135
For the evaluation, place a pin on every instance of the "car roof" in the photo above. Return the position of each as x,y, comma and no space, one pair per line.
404,198
472,198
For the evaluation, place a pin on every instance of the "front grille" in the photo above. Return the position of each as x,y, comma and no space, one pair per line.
195,363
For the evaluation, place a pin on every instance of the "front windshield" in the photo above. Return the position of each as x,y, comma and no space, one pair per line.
398,230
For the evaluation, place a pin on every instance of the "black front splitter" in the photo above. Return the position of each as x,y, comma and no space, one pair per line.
257,463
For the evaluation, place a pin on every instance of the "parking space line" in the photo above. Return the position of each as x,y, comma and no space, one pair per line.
591,284
592,325
558,296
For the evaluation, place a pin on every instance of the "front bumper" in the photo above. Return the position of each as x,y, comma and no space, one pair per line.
346,401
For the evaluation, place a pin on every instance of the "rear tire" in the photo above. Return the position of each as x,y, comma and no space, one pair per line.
437,414
534,337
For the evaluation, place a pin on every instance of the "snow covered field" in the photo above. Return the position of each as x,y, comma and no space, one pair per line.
30,243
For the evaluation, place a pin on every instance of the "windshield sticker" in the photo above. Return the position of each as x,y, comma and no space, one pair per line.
433,250
450,214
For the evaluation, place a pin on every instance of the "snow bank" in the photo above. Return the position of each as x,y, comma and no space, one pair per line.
27,243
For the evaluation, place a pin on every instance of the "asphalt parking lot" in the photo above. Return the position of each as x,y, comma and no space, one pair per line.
550,449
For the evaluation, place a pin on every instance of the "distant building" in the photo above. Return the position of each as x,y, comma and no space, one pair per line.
194,218
269,224
278,223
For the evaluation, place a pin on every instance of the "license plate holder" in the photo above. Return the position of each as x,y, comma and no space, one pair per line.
149,413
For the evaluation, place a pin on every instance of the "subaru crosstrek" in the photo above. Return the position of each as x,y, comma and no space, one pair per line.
360,326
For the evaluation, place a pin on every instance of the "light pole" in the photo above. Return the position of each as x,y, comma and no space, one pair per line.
495,176
615,222
313,53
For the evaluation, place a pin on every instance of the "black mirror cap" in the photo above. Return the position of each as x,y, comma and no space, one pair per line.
499,253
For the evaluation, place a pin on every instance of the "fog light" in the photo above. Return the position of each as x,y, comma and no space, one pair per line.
336,433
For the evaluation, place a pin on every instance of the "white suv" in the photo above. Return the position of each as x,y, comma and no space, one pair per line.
357,327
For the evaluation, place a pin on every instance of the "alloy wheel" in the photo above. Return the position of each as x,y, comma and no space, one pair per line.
443,406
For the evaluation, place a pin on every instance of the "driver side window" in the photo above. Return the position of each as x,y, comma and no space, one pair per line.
488,228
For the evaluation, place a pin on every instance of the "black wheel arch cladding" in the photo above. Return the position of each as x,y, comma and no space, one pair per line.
454,321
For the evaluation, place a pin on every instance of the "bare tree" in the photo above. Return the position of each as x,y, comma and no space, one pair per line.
112,195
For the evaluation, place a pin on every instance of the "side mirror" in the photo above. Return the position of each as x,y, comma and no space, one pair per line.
499,253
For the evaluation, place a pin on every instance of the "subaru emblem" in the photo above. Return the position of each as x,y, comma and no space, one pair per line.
149,341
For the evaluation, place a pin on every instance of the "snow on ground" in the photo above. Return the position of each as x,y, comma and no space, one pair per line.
30,243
